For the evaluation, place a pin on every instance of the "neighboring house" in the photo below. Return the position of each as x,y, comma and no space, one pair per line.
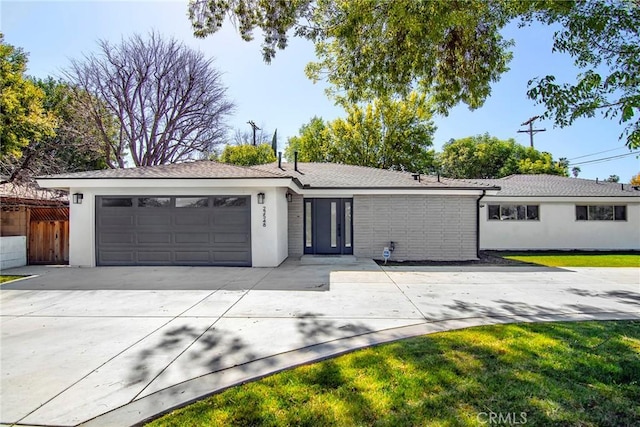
535,212
208,213
34,226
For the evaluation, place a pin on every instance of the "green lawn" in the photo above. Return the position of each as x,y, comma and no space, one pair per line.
579,259
563,374
9,278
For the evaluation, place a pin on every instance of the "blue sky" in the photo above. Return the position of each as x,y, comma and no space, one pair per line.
280,96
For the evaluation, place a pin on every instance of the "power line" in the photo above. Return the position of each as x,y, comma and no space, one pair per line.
599,152
604,159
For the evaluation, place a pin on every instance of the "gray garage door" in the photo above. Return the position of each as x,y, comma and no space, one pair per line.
193,230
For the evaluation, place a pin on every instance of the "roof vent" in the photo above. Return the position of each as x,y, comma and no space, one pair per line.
416,176
295,161
279,159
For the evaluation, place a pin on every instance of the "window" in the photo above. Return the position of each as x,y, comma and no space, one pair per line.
508,212
307,220
192,202
601,213
347,224
229,202
113,202
154,202
334,227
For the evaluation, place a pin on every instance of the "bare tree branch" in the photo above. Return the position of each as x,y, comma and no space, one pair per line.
169,100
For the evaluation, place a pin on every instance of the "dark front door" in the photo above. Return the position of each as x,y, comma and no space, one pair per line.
328,226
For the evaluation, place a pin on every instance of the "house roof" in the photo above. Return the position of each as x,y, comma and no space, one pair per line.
308,175
334,175
197,169
557,186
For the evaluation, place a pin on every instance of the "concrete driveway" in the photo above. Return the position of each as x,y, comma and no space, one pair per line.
113,346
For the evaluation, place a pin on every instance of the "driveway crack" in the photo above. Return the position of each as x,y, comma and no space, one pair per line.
113,357
196,339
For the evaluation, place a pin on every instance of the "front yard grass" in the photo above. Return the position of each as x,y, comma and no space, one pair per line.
563,374
9,278
577,259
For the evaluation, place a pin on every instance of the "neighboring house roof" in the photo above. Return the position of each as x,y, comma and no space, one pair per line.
557,186
308,175
21,194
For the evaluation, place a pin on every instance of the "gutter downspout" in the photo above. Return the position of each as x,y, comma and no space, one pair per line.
484,193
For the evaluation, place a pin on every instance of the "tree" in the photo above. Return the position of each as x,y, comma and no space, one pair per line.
613,178
635,180
247,154
450,49
169,100
379,48
23,118
75,146
242,137
603,37
387,133
575,171
312,144
484,156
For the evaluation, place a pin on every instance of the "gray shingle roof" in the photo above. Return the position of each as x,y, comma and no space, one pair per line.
198,169
312,175
334,175
557,186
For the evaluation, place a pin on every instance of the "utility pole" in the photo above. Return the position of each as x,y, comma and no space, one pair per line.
531,131
254,127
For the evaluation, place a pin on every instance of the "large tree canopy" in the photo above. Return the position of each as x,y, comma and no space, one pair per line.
484,156
377,48
23,118
452,50
604,40
170,102
313,144
247,154
75,146
387,134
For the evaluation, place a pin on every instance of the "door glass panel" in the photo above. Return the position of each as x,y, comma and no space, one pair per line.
228,202
347,224
154,202
192,202
119,202
307,219
334,227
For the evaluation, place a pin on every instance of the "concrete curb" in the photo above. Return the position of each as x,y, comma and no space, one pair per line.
182,394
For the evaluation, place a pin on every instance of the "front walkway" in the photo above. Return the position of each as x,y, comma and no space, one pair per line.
117,345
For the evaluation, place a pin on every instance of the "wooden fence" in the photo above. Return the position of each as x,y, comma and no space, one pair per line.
49,236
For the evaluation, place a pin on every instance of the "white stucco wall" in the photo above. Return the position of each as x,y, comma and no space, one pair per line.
13,251
557,227
267,240
268,243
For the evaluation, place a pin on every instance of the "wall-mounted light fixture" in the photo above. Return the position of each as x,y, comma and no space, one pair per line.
289,197
261,198
77,198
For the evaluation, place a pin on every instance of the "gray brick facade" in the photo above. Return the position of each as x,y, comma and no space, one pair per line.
441,228
295,226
